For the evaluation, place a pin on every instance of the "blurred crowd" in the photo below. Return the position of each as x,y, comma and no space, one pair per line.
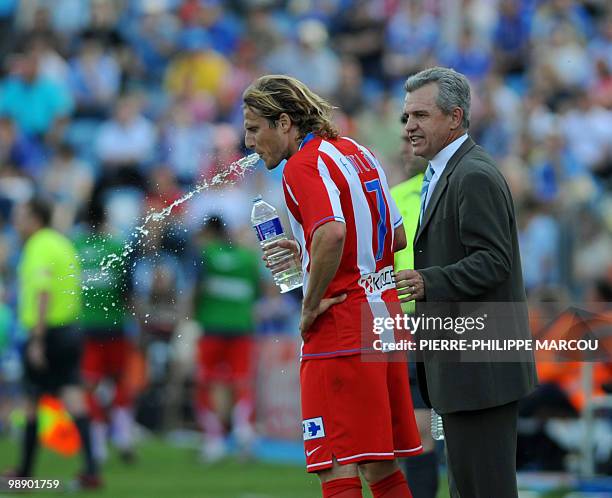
129,104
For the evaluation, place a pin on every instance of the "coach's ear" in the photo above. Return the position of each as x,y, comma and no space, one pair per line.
284,122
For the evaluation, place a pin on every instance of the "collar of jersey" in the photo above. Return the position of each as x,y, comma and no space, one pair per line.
307,139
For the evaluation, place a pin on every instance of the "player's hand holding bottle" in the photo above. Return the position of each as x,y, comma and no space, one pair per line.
282,255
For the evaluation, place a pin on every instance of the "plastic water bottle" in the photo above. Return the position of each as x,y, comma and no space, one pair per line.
268,226
437,429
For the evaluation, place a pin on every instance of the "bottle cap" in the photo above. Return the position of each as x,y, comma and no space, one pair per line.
257,198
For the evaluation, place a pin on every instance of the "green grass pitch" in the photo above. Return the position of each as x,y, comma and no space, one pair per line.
164,471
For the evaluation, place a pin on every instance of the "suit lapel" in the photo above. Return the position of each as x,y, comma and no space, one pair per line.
442,184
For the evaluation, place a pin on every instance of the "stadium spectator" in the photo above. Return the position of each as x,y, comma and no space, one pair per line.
226,291
465,249
35,103
220,24
152,38
103,24
602,86
467,57
65,17
185,142
356,32
95,78
49,304
511,38
18,150
285,120
378,123
128,138
349,95
262,30
539,236
68,181
308,58
7,28
198,69
33,20
600,46
593,149
411,39
51,65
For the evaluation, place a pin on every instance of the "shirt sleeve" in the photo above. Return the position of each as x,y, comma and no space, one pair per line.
316,196
396,217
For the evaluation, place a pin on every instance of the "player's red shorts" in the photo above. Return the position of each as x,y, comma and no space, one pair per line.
106,358
356,411
225,359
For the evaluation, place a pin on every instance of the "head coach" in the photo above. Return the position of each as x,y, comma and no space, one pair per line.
465,250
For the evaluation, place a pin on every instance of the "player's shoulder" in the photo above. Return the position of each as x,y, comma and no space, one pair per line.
305,158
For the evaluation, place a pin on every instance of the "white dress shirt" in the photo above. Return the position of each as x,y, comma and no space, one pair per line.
438,163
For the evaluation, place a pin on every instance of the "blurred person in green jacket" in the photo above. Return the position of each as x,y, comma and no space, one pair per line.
228,287
107,349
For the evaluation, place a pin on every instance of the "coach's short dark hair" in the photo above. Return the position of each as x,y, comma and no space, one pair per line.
453,89
41,209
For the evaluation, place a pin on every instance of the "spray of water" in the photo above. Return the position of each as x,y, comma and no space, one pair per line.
228,176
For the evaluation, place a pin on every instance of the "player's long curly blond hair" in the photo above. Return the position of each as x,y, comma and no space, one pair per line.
274,94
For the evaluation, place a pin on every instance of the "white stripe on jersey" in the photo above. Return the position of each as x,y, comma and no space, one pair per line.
333,192
291,194
395,214
366,261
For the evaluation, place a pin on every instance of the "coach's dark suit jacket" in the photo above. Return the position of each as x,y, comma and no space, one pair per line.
466,248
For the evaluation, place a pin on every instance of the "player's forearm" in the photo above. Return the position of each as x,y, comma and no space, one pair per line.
41,323
326,253
399,238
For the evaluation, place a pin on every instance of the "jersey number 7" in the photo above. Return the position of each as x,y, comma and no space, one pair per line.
375,186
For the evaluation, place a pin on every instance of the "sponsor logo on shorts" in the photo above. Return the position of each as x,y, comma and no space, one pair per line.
378,281
312,428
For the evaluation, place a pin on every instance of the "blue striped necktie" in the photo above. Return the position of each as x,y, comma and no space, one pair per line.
429,173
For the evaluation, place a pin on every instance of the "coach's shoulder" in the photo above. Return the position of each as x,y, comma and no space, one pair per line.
477,164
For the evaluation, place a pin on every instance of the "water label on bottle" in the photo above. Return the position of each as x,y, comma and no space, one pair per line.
269,229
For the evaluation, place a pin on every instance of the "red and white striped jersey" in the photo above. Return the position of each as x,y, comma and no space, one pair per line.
338,179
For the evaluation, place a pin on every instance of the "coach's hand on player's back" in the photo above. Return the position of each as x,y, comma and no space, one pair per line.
281,255
410,285
310,315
